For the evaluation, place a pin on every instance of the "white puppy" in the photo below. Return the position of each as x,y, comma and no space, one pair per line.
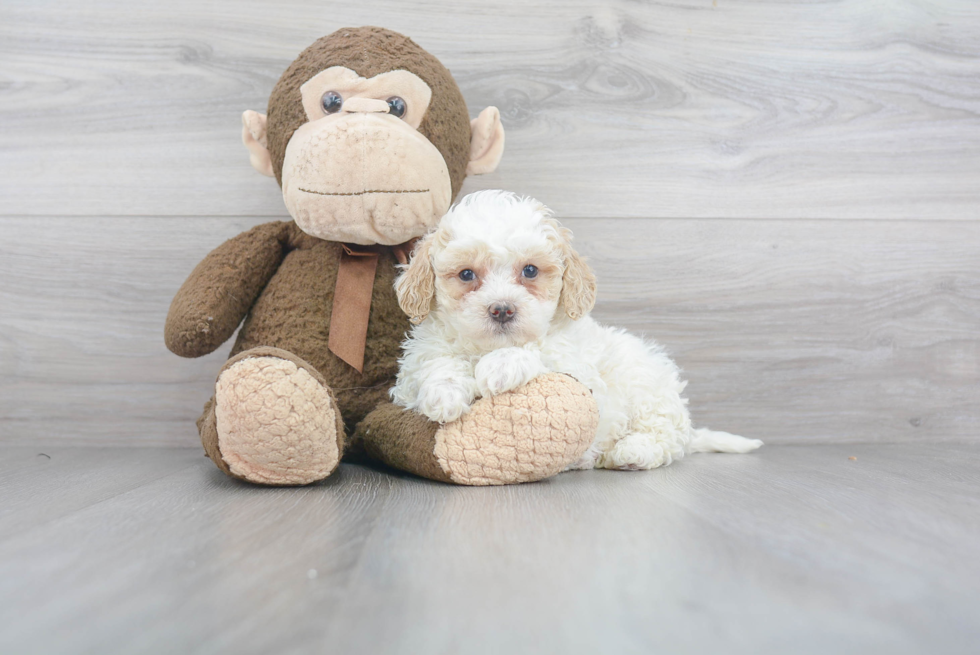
498,296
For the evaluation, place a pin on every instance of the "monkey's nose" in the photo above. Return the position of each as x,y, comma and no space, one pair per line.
365,106
502,311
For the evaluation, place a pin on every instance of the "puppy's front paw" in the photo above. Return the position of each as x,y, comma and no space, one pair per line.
444,401
506,369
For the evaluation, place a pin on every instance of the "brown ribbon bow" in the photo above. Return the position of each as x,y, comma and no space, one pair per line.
352,298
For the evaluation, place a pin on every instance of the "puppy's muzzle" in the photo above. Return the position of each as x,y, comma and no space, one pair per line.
502,312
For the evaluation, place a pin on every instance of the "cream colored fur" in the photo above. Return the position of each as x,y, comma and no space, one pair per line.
457,353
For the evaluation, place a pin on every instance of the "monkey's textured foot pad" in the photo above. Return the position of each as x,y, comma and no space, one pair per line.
277,424
528,434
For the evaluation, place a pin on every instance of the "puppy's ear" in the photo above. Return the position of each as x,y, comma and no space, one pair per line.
416,287
578,288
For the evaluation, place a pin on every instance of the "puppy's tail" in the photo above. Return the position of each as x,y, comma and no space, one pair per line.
704,440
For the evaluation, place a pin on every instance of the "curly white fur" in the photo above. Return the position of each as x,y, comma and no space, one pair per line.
457,352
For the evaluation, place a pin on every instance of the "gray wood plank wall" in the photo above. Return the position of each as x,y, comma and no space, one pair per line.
786,194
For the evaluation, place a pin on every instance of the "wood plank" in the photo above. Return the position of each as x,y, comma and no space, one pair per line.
790,548
81,345
687,108
634,560
787,330
42,484
805,329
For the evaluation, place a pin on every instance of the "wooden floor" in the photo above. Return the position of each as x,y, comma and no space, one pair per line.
794,549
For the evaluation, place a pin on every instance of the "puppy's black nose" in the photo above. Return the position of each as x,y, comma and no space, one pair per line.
502,311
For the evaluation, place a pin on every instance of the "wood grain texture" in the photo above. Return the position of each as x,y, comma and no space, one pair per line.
39,485
787,330
686,108
790,549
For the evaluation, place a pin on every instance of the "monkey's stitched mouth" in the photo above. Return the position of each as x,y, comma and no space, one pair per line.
362,193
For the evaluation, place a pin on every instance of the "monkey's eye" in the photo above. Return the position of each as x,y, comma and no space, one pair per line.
467,275
396,106
331,102
530,271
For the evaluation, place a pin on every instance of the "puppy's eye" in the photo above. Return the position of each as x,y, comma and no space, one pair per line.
467,275
396,106
530,271
331,102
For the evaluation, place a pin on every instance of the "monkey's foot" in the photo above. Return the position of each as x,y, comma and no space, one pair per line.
528,434
275,420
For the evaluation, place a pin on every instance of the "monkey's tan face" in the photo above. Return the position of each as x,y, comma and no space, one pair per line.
360,171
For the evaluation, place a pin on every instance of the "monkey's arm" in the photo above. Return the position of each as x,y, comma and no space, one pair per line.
222,288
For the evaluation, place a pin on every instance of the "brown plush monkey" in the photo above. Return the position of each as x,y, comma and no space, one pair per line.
370,140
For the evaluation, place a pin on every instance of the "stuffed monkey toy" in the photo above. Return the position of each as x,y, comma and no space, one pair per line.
370,140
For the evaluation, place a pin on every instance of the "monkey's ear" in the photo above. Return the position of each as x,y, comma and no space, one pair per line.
486,143
254,138
416,287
